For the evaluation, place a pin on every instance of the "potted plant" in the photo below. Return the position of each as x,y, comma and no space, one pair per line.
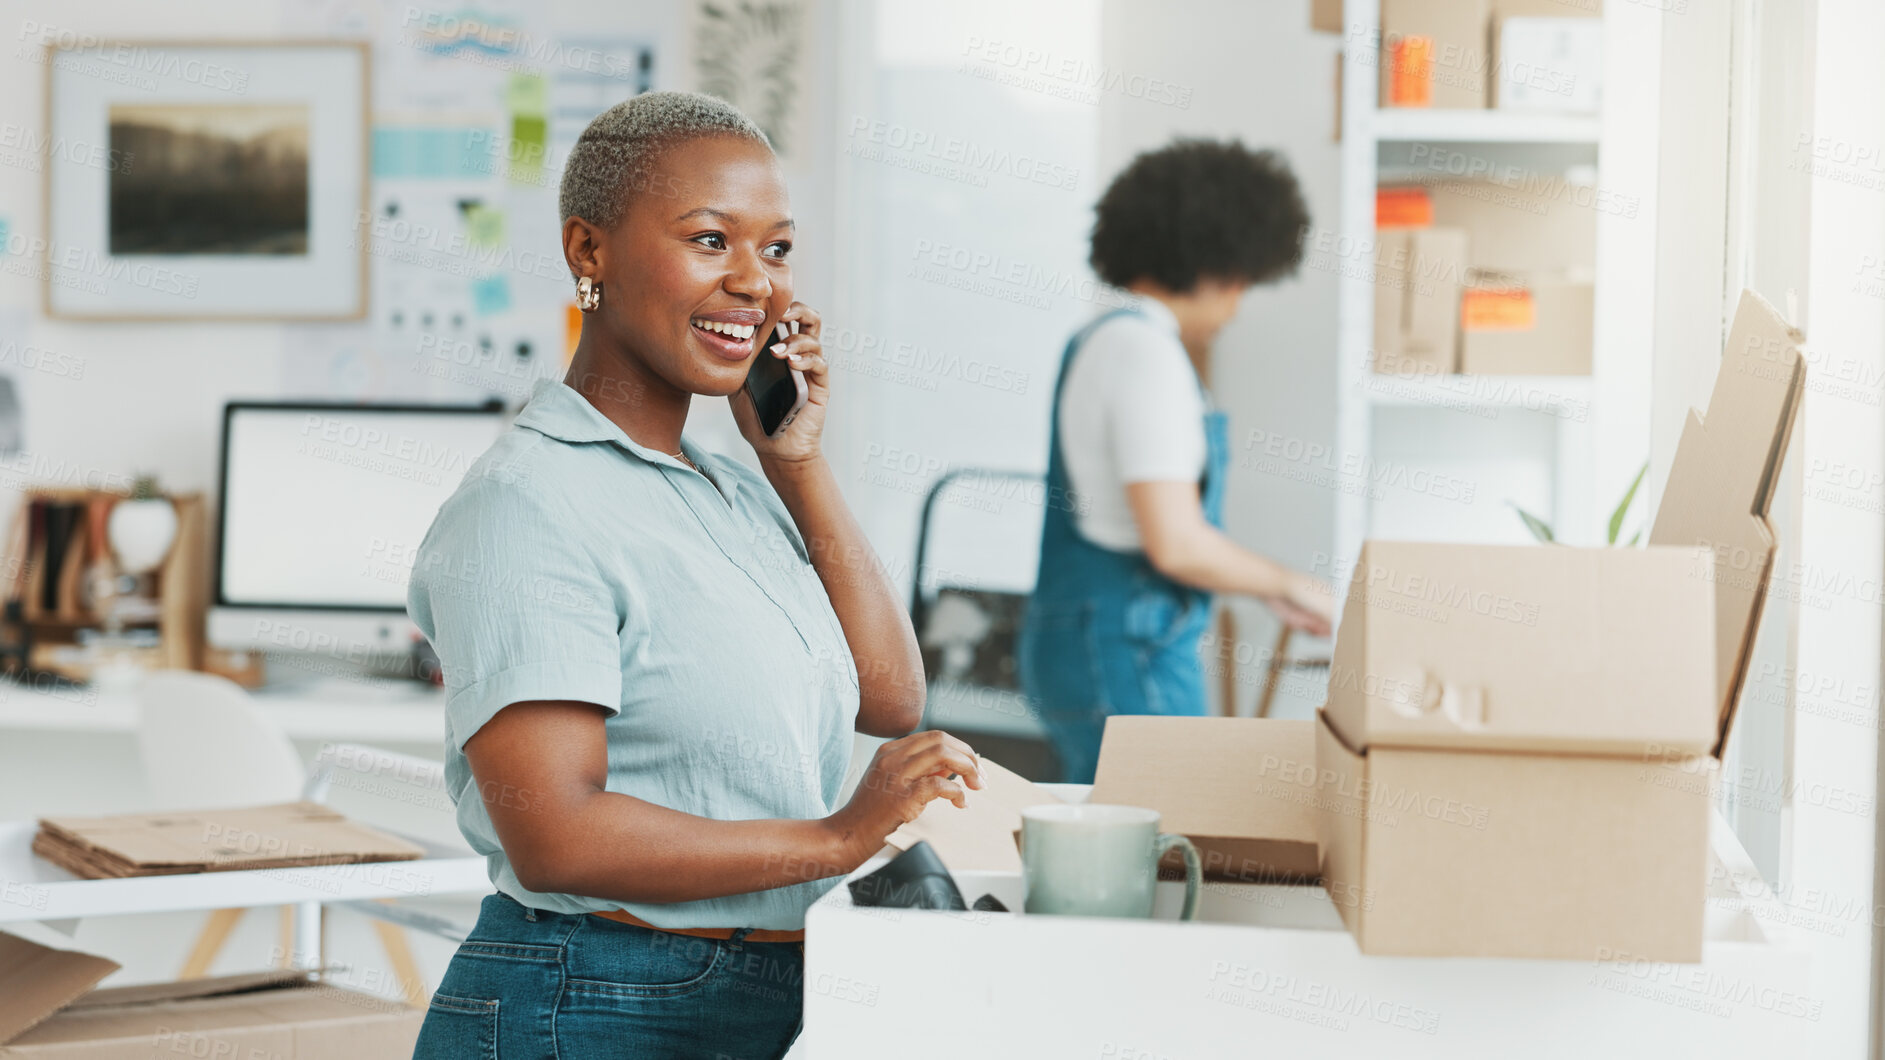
1542,530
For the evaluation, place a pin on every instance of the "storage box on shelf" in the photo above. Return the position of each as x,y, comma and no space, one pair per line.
1548,64
1417,299
1515,324
1434,53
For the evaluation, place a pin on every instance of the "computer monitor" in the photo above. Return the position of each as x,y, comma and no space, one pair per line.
322,508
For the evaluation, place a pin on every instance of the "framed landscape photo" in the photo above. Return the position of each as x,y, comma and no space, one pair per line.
191,181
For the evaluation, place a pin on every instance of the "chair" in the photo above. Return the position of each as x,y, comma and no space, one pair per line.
206,745
967,607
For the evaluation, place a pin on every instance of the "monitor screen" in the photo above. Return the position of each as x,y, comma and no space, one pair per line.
324,506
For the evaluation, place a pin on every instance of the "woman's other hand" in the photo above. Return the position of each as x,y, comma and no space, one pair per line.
903,777
802,350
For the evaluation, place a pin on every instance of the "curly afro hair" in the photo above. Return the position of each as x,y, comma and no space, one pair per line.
1200,210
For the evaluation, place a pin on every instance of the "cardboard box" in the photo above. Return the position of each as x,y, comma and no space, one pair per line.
1183,768
1325,16
1721,483
1518,751
1435,53
1451,853
1518,326
283,835
1531,224
1526,648
48,1009
1548,65
1418,274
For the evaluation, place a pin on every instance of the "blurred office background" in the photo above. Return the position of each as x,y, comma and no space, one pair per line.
943,160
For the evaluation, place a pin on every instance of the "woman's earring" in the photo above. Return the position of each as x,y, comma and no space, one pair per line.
588,295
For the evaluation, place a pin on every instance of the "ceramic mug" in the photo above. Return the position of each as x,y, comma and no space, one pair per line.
1085,859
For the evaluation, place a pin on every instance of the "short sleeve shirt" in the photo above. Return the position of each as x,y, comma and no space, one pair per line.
574,564
1131,410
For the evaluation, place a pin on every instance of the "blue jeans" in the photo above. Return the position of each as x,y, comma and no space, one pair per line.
531,983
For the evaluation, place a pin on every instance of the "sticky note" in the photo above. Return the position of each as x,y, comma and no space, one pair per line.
491,295
527,94
484,226
1497,309
530,138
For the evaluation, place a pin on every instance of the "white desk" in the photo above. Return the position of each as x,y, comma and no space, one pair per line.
1270,971
34,889
359,711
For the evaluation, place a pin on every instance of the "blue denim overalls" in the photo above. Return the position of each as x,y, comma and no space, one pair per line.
1105,633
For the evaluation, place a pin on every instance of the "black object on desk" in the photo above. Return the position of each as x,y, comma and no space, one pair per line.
916,879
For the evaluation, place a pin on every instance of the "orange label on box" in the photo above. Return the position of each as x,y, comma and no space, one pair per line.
1403,208
1410,72
1503,309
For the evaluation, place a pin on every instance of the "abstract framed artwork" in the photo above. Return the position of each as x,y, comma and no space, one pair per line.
193,181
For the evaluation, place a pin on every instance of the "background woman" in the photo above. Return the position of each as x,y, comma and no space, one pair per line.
1129,565
655,657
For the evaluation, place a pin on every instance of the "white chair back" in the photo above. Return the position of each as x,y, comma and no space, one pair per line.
206,744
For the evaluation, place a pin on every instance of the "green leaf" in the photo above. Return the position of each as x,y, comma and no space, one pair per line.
1539,528
1623,506
1638,536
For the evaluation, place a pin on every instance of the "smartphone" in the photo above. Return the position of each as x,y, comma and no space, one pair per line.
776,388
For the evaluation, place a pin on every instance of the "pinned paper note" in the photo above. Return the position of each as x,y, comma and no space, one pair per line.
527,94
530,138
429,152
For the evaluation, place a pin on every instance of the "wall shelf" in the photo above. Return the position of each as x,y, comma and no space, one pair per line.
1540,393
1483,126
1573,443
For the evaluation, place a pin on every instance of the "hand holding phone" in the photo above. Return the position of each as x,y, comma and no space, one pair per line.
776,389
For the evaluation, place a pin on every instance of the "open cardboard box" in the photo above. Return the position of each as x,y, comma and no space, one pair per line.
1519,745
49,1009
1181,767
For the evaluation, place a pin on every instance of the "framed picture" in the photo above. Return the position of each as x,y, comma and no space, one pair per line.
190,181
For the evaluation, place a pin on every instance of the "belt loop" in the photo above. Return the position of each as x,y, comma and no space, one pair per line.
530,914
737,937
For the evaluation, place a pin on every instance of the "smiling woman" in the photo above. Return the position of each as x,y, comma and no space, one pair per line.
654,657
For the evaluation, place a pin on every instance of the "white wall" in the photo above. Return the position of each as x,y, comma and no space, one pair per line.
1833,840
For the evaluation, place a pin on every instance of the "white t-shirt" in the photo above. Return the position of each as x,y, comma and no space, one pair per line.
1130,411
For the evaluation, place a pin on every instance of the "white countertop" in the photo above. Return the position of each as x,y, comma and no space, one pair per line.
367,710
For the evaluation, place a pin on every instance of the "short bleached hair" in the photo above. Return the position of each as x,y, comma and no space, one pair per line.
613,157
